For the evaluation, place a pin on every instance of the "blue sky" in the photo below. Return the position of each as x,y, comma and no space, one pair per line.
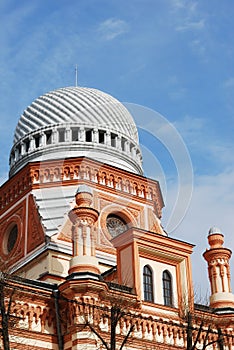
172,56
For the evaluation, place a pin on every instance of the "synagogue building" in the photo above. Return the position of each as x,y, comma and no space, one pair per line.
85,262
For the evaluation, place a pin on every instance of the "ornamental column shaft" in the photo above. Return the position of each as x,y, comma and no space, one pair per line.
83,218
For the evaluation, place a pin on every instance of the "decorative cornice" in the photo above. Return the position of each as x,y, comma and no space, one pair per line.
72,171
217,254
14,189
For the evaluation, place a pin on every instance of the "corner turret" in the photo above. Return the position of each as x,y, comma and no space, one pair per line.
218,258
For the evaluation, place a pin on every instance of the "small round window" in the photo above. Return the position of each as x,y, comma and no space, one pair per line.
12,238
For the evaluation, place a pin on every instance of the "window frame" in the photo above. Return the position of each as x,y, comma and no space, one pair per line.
167,288
148,284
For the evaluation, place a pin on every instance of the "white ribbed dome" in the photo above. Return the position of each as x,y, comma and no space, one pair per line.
76,121
82,106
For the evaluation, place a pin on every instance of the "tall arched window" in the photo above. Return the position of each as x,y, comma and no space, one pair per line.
148,284
167,288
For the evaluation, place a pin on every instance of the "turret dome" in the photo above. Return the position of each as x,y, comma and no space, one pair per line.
76,121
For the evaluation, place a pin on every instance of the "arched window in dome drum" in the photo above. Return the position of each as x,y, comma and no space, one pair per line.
48,137
167,288
88,135
113,139
61,135
123,140
37,140
74,134
148,283
27,143
101,136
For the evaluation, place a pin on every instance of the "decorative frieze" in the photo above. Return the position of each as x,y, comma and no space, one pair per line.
71,171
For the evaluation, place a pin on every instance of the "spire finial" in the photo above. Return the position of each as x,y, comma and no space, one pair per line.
76,75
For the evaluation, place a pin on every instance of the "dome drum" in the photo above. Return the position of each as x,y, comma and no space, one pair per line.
53,141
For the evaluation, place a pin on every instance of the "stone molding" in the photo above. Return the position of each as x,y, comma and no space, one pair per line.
75,170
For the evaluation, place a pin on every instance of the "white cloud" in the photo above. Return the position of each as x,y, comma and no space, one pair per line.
111,28
190,6
178,3
187,16
191,25
178,93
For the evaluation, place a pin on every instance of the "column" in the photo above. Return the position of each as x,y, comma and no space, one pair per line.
42,141
32,144
81,136
22,148
54,136
108,138
95,135
118,142
67,135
